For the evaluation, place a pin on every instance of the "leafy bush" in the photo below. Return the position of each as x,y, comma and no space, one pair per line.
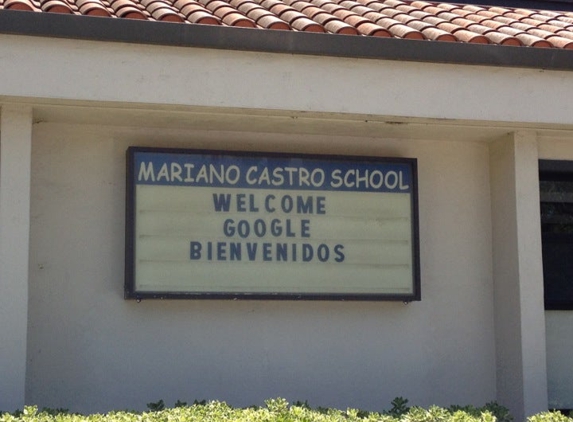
279,410
550,417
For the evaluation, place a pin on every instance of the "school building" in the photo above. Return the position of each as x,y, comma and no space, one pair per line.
293,121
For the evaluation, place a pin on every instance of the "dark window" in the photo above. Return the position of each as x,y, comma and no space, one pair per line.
556,195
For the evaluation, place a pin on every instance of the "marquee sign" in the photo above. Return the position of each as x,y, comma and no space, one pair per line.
209,224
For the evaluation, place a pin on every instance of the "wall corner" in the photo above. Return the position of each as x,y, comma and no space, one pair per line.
15,176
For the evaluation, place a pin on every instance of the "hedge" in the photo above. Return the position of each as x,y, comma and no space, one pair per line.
279,410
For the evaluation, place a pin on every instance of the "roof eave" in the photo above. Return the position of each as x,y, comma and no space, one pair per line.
289,42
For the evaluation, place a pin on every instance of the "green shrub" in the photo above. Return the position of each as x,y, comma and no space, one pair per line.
279,410
550,417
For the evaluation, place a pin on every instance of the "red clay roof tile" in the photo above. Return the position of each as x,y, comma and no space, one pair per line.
166,15
308,9
492,24
565,34
377,6
324,18
320,3
332,7
559,42
353,19
373,30
405,19
470,37
56,6
382,20
93,8
449,7
307,25
339,27
448,15
203,18
472,8
25,5
433,33
272,22
247,6
256,13
130,13
237,19
499,10
361,10
403,31
238,3
417,19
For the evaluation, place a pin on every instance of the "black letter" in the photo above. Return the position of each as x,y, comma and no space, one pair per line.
221,251
307,252
281,251
304,228
338,252
267,252
303,207
323,253
320,205
235,251
222,202
195,250
241,202
252,251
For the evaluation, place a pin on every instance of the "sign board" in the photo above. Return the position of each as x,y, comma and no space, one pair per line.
207,224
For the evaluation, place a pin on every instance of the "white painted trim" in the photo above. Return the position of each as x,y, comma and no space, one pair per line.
115,73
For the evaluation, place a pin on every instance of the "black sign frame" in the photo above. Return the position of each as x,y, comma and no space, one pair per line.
131,292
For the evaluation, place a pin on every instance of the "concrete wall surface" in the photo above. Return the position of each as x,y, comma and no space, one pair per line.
15,160
90,350
518,275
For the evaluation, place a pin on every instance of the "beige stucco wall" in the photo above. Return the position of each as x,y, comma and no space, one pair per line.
88,349
98,352
518,274
15,142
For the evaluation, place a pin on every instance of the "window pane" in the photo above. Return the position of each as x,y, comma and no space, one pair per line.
556,206
557,230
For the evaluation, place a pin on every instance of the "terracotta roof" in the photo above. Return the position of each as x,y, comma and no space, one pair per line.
418,20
